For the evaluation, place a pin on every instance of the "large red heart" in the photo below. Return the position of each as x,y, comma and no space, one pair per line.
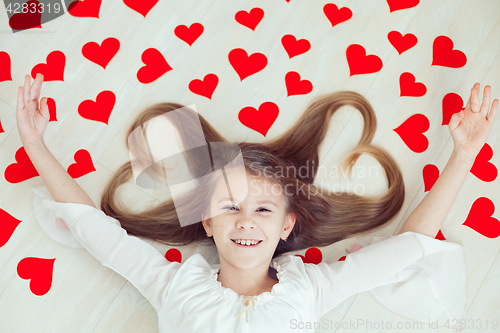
8,224
100,110
30,19
408,86
249,19
294,86
206,87
336,15
313,256
430,174
360,63
401,43
401,4
261,120
245,65
189,35
452,103
83,164
293,46
85,8
444,55
103,54
155,67
480,218
411,131
5,67
39,271
21,170
173,255
53,70
482,169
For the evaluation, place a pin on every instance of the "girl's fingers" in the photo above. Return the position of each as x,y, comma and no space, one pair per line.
486,100
474,97
36,87
493,112
20,99
26,89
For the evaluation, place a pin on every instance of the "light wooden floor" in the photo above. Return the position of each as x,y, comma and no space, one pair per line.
88,297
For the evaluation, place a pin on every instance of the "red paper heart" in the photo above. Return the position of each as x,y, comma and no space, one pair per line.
173,255
261,120
155,67
21,170
189,35
401,4
85,8
408,86
100,110
411,132
53,70
1,129
52,109
245,65
8,224
293,46
401,43
336,15
103,54
30,19
430,174
83,164
39,271
482,169
294,86
249,19
452,103
444,55
206,87
5,67
141,6
440,235
342,258
480,218
360,63
313,256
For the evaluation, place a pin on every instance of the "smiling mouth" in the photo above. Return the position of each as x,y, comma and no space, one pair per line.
254,245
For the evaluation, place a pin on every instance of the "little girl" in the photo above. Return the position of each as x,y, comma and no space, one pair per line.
255,210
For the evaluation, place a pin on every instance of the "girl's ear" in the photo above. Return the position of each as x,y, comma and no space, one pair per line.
206,223
289,224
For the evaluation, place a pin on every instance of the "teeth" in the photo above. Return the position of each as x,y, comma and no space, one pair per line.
246,242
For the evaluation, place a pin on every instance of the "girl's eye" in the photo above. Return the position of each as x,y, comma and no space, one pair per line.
265,209
229,207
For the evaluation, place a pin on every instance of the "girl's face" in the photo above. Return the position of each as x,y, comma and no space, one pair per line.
259,216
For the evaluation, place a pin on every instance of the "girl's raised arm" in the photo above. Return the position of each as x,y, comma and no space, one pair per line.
32,121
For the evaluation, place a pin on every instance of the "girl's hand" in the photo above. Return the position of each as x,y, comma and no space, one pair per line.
31,120
470,127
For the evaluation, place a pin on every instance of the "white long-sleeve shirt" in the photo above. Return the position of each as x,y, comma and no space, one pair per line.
411,274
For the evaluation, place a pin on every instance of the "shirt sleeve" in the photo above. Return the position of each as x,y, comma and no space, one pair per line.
104,238
411,274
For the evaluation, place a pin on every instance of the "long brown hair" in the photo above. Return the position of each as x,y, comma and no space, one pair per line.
321,219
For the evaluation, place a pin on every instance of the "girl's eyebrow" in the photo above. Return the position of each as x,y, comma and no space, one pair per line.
259,202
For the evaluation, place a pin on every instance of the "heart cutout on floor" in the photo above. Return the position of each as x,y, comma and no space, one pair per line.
83,164
189,35
8,225
401,4
173,255
360,63
141,6
336,15
245,65
53,70
401,43
260,120
85,8
480,218
408,86
21,170
482,168
206,87
294,86
312,256
102,54
411,132
249,19
294,47
100,110
5,67
30,19
156,66
444,55
39,271
430,174
452,103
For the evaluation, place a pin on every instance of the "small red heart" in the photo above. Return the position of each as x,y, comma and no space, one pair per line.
8,224
1,129
189,35
336,15
22,170
206,87
342,258
103,54
480,218
408,86
141,6
52,109
444,55
173,255
440,235
245,65
430,174
294,86
293,46
360,63
452,103
85,8
30,19
156,66
261,120
5,74
401,43
411,132
100,110
83,164
54,69
249,19
313,256
401,4
482,169
39,271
